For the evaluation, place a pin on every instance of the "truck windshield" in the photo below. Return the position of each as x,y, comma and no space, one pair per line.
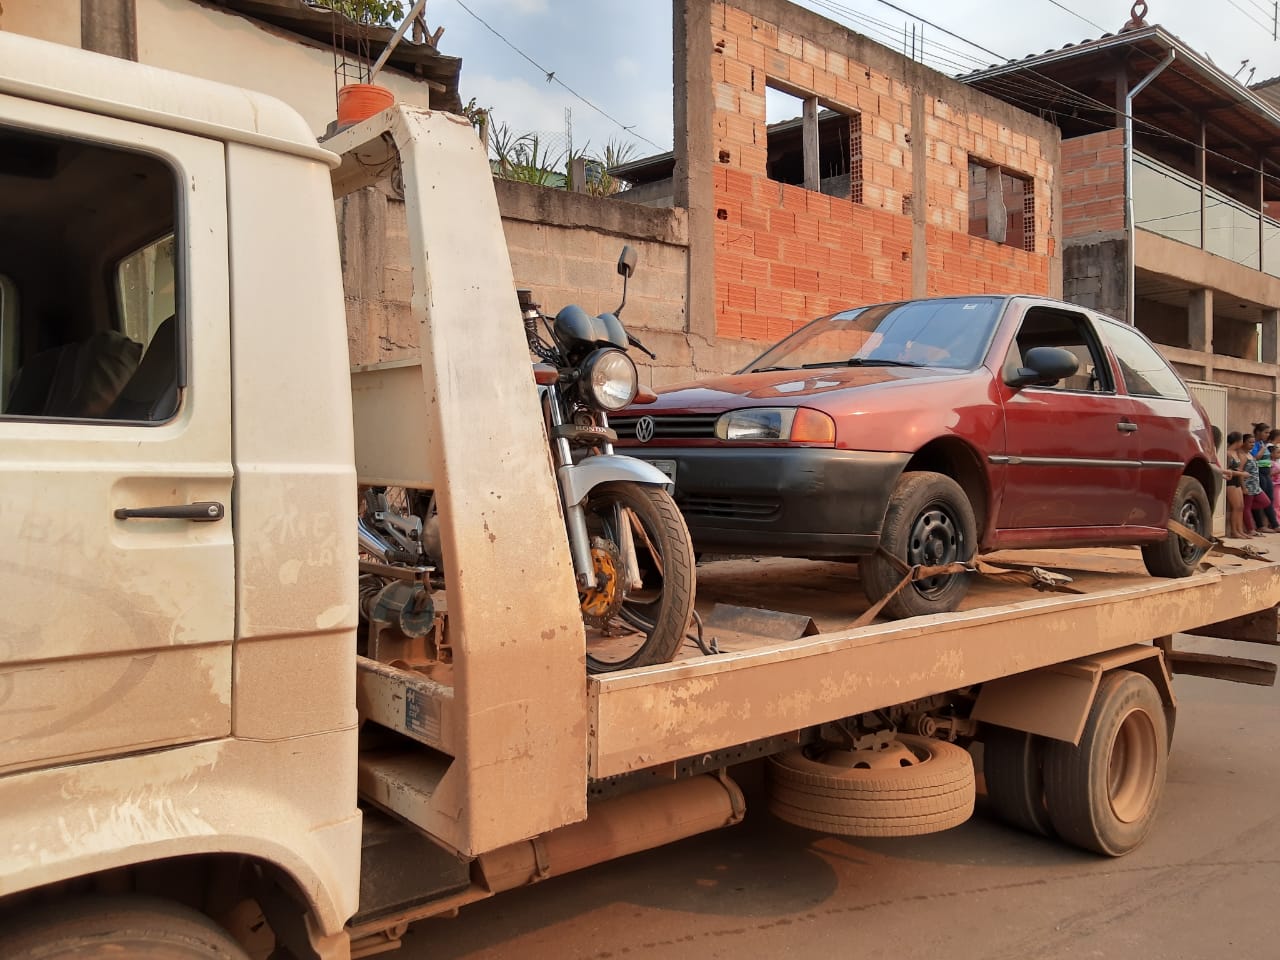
952,333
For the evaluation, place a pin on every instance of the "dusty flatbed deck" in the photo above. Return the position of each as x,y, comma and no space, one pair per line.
760,688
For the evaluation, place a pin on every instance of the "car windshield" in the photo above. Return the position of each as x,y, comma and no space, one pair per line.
951,333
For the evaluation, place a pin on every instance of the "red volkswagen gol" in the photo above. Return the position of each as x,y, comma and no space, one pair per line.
938,429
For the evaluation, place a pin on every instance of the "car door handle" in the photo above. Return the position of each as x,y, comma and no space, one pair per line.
202,511
1124,426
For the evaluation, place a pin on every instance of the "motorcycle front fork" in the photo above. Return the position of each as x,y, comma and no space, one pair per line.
575,517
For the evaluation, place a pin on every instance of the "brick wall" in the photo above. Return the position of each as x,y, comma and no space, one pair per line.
784,254
1093,184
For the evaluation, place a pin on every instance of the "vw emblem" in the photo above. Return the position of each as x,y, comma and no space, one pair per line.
644,429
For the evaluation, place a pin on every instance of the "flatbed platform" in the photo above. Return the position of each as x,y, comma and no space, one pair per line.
758,688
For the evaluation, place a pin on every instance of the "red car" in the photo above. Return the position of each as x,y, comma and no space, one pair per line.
937,429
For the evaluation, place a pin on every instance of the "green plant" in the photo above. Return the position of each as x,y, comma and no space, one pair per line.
367,12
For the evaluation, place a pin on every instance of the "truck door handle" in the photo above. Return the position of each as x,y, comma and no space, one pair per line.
1124,426
202,511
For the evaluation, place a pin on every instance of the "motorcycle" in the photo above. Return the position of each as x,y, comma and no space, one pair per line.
632,558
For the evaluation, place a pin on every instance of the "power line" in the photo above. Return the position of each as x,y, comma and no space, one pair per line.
1251,17
1078,16
551,77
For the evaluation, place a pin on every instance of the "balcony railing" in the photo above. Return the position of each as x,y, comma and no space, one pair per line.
1168,203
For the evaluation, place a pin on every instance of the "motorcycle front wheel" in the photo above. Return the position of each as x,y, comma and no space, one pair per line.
654,615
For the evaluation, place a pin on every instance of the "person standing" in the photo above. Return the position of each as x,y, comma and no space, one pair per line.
1253,518
1262,455
1233,474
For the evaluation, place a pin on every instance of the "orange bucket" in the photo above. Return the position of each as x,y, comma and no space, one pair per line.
360,101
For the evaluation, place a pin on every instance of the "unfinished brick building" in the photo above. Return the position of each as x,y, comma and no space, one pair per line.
896,182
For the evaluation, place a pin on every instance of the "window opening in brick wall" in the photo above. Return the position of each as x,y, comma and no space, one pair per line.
836,170
1002,206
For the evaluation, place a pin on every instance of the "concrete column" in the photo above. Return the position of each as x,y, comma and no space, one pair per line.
110,27
919,189
1271,350
1270,337
1200,326
694,105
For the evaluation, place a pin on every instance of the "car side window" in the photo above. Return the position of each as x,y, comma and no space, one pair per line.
90,286
1145,372
1050,327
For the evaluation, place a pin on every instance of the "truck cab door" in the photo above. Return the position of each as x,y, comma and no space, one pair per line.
117,577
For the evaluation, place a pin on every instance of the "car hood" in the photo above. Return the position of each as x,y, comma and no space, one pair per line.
785,387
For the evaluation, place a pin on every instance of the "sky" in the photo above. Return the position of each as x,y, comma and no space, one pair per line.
615,55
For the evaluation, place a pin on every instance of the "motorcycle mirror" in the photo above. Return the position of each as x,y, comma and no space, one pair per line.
627,261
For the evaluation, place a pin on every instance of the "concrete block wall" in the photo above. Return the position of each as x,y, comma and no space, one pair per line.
784,255
564,247
1093,184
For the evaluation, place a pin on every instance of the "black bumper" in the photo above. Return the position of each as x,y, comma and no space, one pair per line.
804,502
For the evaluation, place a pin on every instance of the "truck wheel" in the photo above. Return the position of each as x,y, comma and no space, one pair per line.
1103,793
1173,556
922,786
1012,764
111,927
929,521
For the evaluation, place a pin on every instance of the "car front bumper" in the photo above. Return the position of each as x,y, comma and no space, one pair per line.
775,501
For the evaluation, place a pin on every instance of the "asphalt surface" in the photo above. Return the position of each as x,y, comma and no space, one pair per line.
1204,885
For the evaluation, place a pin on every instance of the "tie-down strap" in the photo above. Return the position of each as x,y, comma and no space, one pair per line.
1037,577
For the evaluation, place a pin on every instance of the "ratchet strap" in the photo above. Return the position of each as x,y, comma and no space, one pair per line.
1036,577
1247,552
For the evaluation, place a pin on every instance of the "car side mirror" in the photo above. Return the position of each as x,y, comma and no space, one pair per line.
627,261
1045,366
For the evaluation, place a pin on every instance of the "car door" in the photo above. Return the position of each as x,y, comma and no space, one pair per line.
1165,419
1069,452
115,626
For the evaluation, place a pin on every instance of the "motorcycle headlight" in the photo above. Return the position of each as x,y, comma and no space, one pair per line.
779,424
609,380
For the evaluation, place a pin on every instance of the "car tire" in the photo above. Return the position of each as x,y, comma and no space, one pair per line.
1173,556
929,520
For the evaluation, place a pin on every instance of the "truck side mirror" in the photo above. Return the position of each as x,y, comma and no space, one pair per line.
1045,366
627,261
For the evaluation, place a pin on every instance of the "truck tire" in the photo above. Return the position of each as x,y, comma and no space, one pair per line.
1103,794
934,794
139,928
929,521
1013,767
1173,556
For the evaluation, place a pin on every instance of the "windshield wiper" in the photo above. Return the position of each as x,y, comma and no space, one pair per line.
878,362
769,369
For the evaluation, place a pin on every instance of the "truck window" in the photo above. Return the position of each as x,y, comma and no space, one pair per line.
145,294
91,299
8,334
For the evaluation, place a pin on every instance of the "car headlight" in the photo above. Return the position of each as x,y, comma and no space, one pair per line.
608,380
778,424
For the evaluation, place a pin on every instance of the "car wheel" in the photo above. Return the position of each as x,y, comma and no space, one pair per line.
1173,556
929,522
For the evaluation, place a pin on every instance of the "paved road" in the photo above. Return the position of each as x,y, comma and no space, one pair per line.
1204,885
